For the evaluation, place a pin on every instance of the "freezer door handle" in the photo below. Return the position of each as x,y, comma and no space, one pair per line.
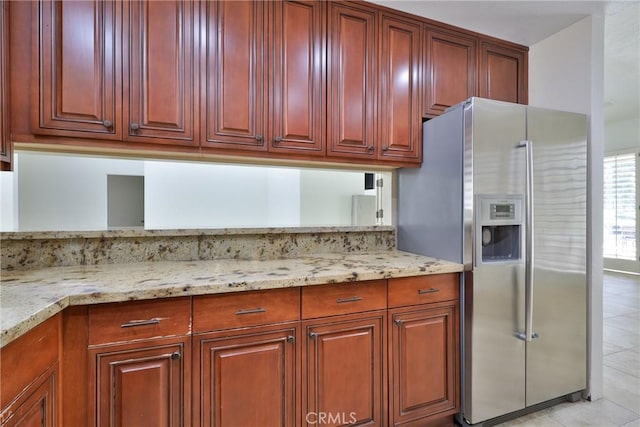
522,336
529,236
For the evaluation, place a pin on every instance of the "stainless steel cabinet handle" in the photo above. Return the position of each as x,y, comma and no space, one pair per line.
291,339
175,355
107,124
370,148
251,311
529,235
134,127
350,299
427,291
398,322
133,323
313,335
258,137
277,140
385,148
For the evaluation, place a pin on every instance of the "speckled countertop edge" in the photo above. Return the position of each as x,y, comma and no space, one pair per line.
28,298
138,232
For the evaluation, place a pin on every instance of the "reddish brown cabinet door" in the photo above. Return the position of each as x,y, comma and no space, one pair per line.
5,135
159,63
37,405
78,70
344,371
246,378
352,83
450,75
400,112
503,73
297,90
234,75
424,363
142,384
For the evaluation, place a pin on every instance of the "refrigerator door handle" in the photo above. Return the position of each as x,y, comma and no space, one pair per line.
528,335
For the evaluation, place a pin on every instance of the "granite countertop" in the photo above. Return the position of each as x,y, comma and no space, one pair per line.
29,297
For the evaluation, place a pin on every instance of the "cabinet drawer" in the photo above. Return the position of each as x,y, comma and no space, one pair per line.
139,320
343,298
235,310
423,289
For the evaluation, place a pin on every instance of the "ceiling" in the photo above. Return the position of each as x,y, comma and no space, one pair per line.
528,22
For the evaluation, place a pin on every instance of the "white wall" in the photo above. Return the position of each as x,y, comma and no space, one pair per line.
202,195
320,189
622,135
8,204
65,192
566,72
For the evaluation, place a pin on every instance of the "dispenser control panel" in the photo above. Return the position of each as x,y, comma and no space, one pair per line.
502,211
498,228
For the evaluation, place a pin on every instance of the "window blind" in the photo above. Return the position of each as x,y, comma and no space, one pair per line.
620,206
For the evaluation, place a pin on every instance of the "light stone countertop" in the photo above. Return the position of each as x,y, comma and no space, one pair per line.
29,297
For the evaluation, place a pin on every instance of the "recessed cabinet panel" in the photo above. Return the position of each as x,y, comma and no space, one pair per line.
79,70
352,83
297,97
5,134
400,101
503,73
345,370
37,406
424,363
159,71
451,70
247,378
234,75
142,385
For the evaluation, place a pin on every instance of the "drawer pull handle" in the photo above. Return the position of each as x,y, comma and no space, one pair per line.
175,355
291,339
133,323
398,322
428,291
351,299
251,311
313,335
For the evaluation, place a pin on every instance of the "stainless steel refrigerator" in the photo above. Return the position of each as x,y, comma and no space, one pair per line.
503,190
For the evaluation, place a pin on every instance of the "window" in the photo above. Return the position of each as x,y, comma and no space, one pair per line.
620,206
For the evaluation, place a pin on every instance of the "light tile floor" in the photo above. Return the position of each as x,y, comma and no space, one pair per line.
621,403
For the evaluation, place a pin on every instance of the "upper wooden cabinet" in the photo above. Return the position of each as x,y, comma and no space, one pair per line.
5,134
374,83
339,81
503,72
264,76
84,68
158,72
400,112
352,80
450,70
234,75
78,70
297,99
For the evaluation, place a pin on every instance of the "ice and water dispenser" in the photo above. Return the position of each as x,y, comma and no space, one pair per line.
499,228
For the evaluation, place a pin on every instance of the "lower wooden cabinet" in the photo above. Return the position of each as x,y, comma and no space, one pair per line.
423,363
344,381
247,377
36,406
29,377
372,353
142,384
